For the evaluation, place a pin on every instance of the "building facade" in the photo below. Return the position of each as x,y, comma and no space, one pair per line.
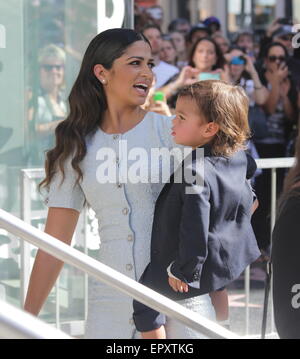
233,14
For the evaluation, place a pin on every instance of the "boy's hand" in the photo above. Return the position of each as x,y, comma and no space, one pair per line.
178,285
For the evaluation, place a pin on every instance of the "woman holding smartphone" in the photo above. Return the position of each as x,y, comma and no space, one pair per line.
281,113
243,73
206,62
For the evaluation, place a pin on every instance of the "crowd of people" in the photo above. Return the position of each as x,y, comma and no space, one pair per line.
267,69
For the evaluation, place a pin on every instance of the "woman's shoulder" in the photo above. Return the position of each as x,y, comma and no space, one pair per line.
161,123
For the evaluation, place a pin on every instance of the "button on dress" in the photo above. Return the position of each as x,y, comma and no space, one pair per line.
125,213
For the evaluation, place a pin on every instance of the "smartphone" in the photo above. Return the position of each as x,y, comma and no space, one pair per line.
158,96
208,76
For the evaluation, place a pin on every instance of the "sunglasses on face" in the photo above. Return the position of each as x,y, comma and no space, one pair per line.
275,58
286,38
49,68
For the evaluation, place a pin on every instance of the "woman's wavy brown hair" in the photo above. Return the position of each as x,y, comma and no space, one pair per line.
227,106
87,101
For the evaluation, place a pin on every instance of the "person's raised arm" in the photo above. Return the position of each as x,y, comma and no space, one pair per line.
187,76
61,224
275,78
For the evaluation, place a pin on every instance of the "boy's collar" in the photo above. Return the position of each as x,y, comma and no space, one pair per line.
207,149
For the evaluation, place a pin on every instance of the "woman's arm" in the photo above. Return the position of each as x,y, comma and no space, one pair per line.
275,79
261,94
272,101
61,224
289,110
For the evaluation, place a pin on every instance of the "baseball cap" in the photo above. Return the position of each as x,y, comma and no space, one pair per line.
283,30
211,20
199,26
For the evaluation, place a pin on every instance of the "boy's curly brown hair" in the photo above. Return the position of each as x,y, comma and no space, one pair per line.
227,106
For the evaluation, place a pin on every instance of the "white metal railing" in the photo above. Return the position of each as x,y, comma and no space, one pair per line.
273,164
17,324
112,277
28,175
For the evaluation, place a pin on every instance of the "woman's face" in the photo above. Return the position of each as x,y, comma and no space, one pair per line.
130,78
167,52
205,56
276,56
236,70
246,41
179,42
51,73
155,39
223,43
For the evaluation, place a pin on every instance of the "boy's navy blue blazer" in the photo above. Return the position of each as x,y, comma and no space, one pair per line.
209,235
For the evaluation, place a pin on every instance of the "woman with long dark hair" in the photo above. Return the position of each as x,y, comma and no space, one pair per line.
206,62
106,118
285,256
280,114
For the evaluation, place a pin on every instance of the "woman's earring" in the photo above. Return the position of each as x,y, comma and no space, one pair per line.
103,82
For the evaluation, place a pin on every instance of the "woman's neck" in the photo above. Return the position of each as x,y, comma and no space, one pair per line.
122,119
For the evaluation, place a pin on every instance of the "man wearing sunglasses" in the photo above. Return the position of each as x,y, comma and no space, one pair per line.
284,35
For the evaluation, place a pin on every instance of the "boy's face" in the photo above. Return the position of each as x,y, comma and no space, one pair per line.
189,126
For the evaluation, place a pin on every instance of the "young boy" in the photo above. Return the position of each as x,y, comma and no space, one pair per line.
202,238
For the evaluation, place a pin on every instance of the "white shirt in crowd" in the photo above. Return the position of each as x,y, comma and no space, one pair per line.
164,72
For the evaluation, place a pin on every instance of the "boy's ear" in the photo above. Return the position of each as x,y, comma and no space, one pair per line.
212,129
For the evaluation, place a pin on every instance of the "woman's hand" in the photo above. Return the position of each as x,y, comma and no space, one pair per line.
178,285
160,107
250,68
273,27
224,74
282,72
277,76
188,76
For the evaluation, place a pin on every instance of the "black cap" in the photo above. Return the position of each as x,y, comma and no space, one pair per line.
199,27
